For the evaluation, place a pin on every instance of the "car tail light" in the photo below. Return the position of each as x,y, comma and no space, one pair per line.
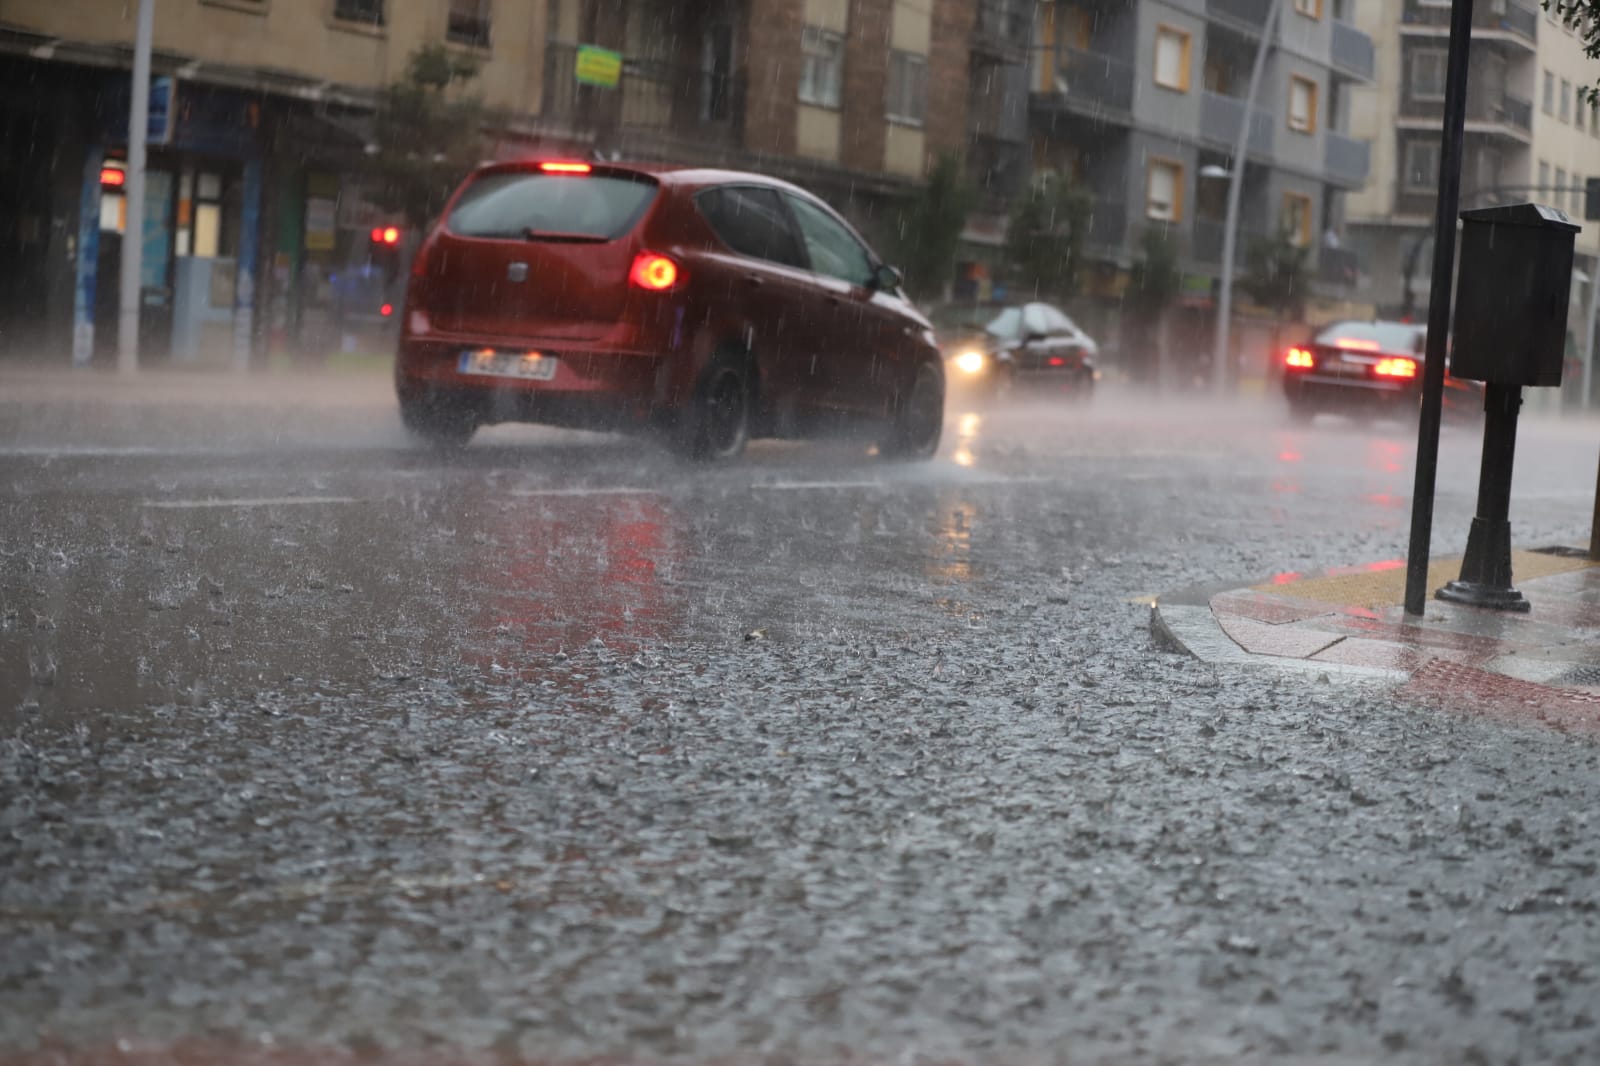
565,168
386,310
1395,368
654,272
1299,359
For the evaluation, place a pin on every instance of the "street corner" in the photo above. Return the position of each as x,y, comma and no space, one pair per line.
1349,625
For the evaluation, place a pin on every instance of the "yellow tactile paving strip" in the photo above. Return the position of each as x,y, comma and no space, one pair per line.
1385,584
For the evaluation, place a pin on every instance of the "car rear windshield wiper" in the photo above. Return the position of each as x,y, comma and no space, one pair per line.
559,237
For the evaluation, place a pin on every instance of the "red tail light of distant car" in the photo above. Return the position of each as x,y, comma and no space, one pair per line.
1299,359
654,272
1395,368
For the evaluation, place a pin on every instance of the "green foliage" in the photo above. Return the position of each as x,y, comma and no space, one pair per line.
1583,17
928,227
428,134
1044,242
1155,280
1276,276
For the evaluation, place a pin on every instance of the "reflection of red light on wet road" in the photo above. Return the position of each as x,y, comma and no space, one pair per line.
1286,579
1289,457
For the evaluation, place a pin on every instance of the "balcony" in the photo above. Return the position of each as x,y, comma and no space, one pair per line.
1087,82
1353,53
1219,123
1206,238
998,168
1003,30
1487,112
656,108
1517,20
1346,160
1246,15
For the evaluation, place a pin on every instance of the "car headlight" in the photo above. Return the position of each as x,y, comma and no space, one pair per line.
970,362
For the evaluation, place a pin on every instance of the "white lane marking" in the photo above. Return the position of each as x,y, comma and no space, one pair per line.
599,490
260,501
95,451
801,486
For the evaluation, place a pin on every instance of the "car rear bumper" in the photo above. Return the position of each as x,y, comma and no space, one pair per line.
587,388
1330,393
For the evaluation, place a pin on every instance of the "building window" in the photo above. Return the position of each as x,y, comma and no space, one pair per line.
821,67
1172,59
468,23
1544,175
368,11
1302,104
1309,8
1427,74
1558,195
1594,120
1422,165
1577,195
1549,93
1296,220
1163,191
908,87
1566,100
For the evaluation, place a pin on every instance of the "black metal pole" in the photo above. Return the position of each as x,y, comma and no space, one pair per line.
1444,256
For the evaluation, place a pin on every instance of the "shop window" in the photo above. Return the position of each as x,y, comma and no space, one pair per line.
207,242
1302,104
1172,59
1163,191
368,11
908,87
822,67
469,23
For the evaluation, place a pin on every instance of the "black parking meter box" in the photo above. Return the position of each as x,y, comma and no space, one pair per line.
1512,289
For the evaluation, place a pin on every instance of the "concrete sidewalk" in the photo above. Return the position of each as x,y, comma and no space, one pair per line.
1349,625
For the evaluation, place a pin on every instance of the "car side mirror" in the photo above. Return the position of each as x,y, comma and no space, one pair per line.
888,278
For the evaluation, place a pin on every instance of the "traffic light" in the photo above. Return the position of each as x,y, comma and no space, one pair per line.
384,251
1591,199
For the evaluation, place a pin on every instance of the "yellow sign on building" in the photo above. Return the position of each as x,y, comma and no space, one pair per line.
598,66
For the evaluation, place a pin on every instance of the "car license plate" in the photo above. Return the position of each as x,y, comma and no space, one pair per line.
530,366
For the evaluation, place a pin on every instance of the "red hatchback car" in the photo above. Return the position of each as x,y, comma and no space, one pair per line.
713,305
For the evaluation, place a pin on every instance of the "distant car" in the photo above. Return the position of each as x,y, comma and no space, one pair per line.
712,305
1366,368
1024,349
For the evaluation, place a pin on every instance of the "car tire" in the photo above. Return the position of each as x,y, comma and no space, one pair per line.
918,418
436,420
716,425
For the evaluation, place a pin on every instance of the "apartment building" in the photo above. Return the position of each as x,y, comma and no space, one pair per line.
1142,100
1530,134
257,199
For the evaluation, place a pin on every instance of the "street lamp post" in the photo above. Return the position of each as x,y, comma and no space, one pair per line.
1230,228
133,195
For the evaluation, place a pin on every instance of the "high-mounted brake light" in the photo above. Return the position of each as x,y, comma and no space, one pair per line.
1354,344
1395,368
1300,359
654,272
565,168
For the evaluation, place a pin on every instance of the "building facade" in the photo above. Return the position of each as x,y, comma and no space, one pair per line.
1530,135
1142,100
259,217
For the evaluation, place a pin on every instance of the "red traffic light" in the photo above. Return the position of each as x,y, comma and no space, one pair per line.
385,235
113,176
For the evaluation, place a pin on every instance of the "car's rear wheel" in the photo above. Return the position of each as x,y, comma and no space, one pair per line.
437,420
716,425
918,417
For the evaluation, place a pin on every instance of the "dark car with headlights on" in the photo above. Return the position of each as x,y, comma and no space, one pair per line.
1366,369
711,305
1024,349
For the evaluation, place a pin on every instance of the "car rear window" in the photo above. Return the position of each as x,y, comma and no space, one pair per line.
509,205
1389,336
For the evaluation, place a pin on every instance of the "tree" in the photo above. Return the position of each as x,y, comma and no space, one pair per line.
928,227
1276,275
427,134
1045,239
1153,283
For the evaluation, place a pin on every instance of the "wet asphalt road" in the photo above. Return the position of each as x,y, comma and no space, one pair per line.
559,748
